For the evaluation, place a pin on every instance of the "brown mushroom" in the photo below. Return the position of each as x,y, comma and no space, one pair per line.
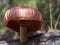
24,20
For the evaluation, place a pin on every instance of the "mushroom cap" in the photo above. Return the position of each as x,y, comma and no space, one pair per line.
23,16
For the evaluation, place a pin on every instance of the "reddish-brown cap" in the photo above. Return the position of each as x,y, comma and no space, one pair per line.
23,16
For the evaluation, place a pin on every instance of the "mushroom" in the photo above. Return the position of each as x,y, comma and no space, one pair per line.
24,20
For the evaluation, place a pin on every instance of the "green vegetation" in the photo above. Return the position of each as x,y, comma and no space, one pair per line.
51,28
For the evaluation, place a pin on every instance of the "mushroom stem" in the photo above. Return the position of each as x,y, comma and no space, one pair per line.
23,34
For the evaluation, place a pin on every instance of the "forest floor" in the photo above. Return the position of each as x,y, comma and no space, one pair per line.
48,38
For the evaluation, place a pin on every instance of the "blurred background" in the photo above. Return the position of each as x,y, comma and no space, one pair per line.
50,9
